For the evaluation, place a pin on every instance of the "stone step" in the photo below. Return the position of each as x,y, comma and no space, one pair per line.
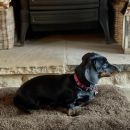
56,69
14,77
57,55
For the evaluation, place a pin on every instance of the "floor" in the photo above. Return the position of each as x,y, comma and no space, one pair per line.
62,50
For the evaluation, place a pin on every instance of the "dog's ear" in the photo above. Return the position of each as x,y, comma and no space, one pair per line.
97,64
91,74
91,67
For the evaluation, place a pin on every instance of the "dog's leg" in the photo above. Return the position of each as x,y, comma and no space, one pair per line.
70,109
76,107
74,111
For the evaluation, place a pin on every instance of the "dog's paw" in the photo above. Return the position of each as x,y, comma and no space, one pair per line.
74,111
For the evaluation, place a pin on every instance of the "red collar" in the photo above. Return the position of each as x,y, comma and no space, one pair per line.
79,84
83,86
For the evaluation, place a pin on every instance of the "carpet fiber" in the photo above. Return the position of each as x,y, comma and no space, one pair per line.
110,110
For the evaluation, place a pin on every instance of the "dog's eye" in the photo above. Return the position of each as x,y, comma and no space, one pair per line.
105,65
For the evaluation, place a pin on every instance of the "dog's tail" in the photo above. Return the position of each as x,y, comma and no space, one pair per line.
18,101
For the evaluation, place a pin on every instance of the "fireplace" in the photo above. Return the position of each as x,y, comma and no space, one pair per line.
63,15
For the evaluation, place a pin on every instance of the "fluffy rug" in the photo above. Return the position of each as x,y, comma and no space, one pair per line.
110,110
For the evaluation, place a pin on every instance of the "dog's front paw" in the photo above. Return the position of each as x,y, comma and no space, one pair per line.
74,111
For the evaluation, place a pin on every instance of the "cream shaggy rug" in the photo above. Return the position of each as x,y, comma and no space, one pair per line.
110,110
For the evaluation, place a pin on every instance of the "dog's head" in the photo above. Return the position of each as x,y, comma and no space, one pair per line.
95,66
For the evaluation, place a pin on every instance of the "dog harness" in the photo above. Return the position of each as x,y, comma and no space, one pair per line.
83,86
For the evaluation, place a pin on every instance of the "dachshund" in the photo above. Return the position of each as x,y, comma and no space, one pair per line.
66,90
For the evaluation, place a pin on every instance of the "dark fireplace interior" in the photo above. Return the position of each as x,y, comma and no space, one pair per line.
62,16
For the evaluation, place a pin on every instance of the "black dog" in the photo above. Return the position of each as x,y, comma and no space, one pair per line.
66,90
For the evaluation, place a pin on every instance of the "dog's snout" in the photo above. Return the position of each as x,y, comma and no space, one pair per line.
115,68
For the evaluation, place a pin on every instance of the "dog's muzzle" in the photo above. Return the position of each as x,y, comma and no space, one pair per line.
110,70
114,69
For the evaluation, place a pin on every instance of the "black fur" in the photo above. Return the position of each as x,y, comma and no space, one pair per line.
62,90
